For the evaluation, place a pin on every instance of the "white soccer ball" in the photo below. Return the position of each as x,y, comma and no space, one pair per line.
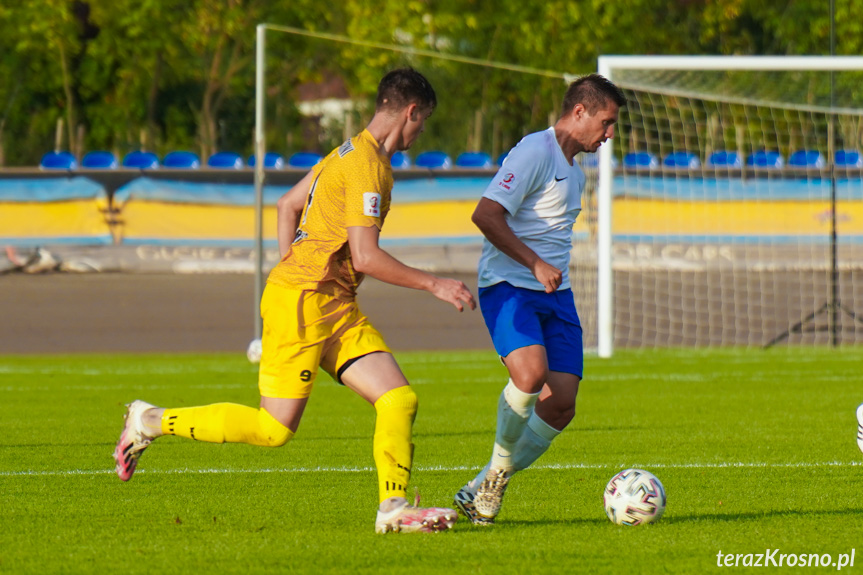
634,497
254,351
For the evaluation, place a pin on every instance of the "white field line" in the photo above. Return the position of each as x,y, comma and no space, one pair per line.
550,466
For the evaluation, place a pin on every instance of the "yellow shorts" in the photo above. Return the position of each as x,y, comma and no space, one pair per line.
304,330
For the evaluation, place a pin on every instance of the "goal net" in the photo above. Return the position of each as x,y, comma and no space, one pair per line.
731,203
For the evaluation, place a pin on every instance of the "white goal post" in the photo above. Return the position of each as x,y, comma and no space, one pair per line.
693,107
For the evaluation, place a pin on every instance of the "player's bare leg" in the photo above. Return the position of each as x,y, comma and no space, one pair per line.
556,404
553,411
528,369
378,379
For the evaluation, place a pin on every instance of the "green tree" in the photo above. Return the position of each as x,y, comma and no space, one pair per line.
167,74
129,65
41,47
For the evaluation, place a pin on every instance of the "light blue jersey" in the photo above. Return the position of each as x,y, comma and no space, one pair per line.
541,192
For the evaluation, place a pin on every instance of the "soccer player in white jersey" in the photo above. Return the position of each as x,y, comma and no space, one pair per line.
526,215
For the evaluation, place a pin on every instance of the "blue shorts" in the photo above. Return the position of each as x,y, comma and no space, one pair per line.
518,317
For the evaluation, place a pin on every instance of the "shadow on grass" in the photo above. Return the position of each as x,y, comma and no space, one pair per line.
507,524
762,515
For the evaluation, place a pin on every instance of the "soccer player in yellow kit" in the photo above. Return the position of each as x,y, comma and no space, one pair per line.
328,229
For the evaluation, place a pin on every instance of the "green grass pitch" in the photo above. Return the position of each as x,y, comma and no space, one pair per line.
756,450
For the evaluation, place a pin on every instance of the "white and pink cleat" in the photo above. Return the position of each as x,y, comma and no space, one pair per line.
410,519
133,441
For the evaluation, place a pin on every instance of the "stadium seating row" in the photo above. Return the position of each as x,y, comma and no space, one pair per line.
437,160
102,160
729,159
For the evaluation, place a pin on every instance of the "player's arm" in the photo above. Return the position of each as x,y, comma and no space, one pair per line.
490,218
370,259
288,209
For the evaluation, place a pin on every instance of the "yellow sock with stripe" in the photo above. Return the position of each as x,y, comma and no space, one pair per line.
393,449
226,422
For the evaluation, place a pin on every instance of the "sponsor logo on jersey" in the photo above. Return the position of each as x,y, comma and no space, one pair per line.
300,236
372,204
506,181
348,146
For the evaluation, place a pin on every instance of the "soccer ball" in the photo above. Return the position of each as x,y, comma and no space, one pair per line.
254,351
634,497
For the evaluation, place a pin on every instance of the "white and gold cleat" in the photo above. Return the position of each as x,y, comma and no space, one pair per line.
463,500
489,496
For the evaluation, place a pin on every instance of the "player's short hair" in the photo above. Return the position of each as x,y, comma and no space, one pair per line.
594,92
402,87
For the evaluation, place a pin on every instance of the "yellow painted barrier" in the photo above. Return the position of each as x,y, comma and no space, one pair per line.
60,221
744,218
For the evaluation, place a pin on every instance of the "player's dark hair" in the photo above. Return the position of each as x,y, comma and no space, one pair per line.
594,92
402,87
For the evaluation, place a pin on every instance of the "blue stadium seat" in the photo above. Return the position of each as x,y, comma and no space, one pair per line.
501,158
682,160
182,160
476,160
640,160
226,161
141,160
58,161
272,160
806,159
765,159
724,159
849,159
400,161
99,160
304,159
434,160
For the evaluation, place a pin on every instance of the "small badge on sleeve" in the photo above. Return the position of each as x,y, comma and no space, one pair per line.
507,181
372,204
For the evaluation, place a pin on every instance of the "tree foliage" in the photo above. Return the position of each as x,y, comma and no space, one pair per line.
172,74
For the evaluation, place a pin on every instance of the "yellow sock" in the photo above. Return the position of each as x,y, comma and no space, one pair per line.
393,449
226,422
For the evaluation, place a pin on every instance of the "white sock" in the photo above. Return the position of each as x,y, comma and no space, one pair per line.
513,410
535,441
474,483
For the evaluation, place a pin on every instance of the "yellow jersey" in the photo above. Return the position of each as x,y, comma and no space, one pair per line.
352,186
